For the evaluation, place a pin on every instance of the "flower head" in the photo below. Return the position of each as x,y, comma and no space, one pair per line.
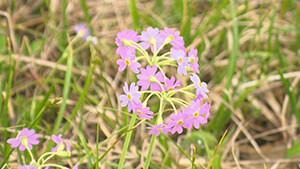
26,167
176,124
122,37
201,87
171,85
130,97
92,39
194,59
151,37
182,60
149,77
175,40
142,112
81,29
156,129
197,114
25,138
58,141
128,60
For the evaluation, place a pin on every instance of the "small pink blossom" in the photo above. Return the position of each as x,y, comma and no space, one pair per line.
157,129
130,97
152,34
142,112
129,35
177,41
146,76
198,114
201,87
176,124
171,85
194,59
27,136
128,60
182,60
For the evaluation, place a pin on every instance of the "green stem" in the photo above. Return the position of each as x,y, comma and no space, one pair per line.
158,120
65,89
30,153
127,140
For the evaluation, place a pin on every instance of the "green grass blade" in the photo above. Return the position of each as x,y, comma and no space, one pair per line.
134,14
66,89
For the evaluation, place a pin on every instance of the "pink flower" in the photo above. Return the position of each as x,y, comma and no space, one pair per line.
147,77
129,35
176,125
24,137
76,166
171,85
81,27
26,167
142,112
176,40
182,60
201,87
194,60
130,97
156,129
149,37
128,60
57,140
197,114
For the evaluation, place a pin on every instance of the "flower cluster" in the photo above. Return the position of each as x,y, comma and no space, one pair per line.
154,80
26,138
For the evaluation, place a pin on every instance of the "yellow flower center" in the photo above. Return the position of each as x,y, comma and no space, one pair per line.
127,62
129,96
200,84
24,140
139,112
170,89
179,122
196,114
180,60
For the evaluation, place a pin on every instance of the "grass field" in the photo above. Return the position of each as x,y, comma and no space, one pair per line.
55,82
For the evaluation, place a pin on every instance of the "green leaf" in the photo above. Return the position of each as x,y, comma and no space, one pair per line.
293,151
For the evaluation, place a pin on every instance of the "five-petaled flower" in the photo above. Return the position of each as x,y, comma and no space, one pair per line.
151,37
128,60
176,124
157,129
131,96
182,60
81,29
201,87
198,114
25,139
173,37
171,85
149,77
125,37
142,112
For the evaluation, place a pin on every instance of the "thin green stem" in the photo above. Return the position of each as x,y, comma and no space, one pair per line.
65,89
127,140
30,153
151,146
